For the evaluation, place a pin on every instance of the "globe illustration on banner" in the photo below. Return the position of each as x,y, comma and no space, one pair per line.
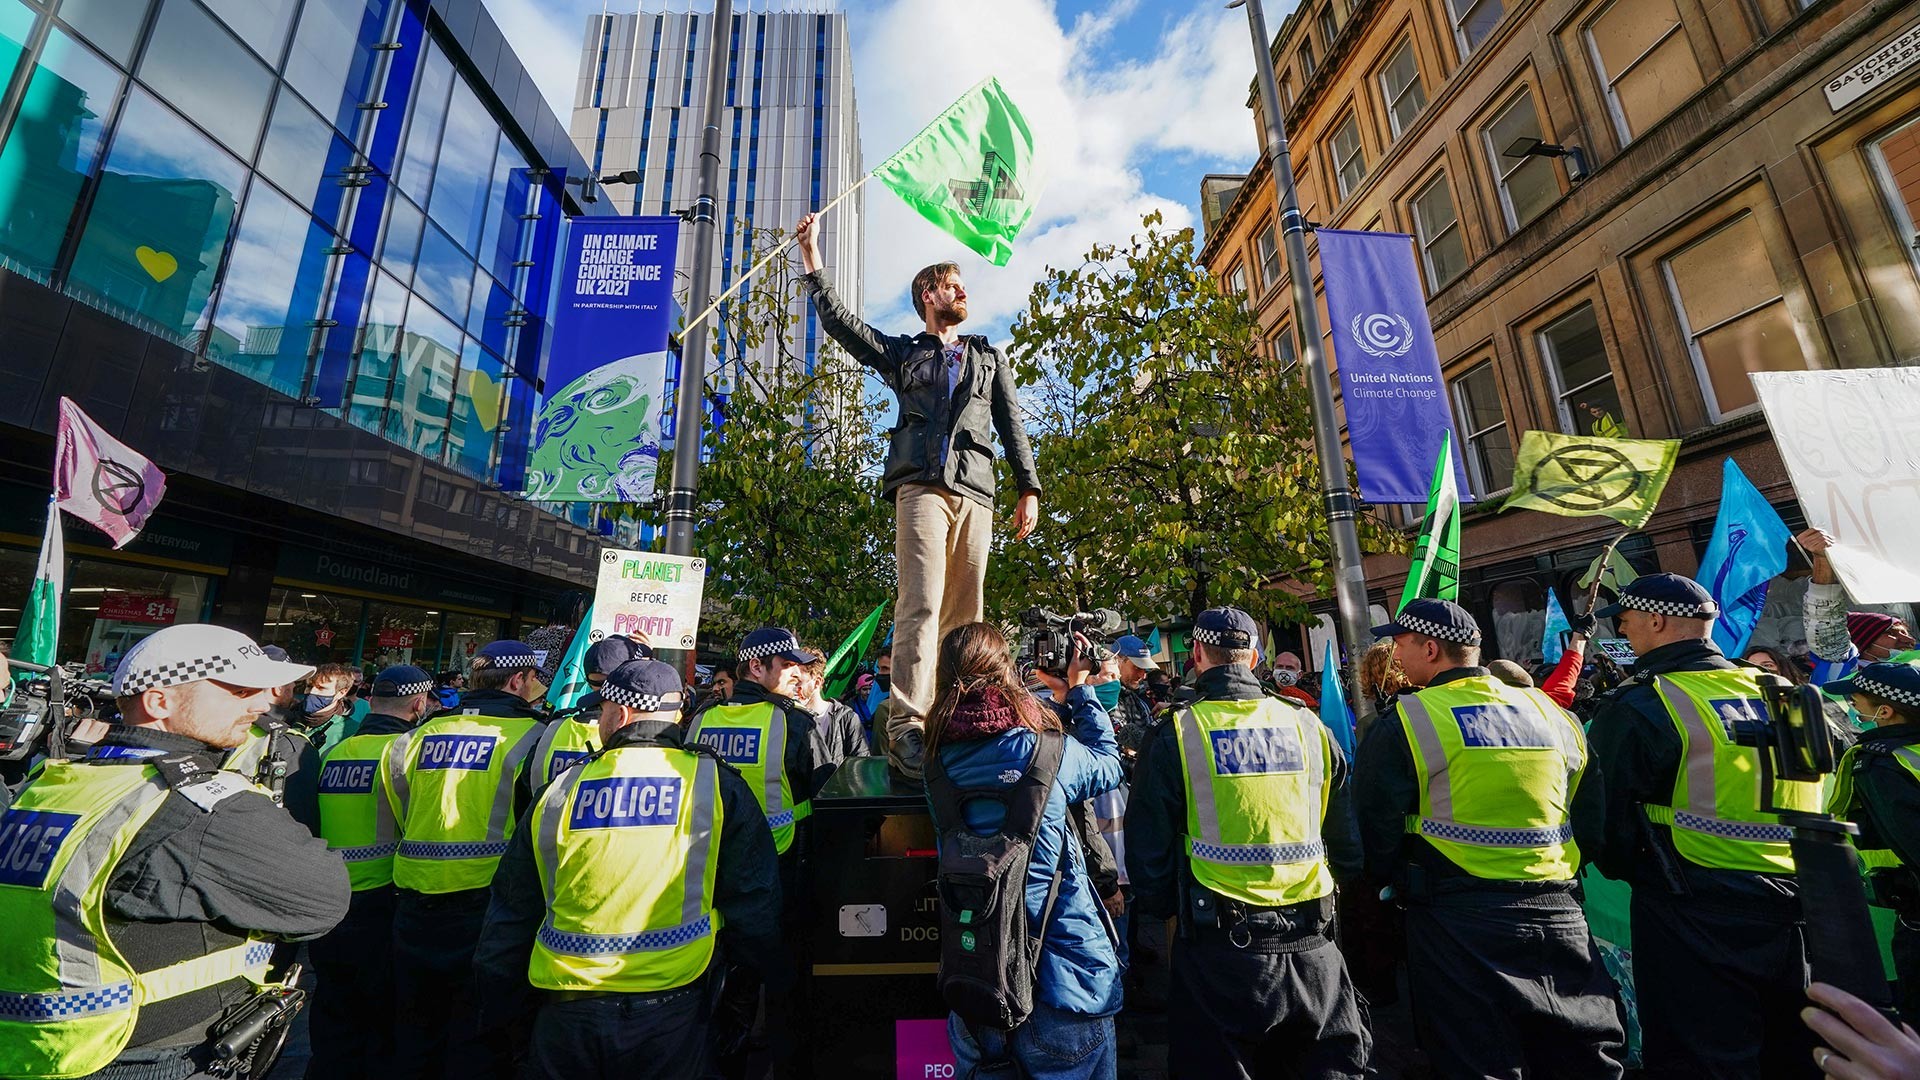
1382,335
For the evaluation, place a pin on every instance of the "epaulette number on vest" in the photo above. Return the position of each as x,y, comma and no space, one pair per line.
203,787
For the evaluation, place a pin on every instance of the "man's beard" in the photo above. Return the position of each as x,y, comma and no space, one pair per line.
950,314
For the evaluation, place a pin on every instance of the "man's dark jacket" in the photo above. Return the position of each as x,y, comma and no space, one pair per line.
938,440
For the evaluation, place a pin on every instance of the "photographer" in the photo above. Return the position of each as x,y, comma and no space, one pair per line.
1877,787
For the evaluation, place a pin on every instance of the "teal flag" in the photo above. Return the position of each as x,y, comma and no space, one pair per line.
1550,647
570,682
972,172
1334,711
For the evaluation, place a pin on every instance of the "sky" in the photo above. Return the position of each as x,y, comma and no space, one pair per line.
1131,103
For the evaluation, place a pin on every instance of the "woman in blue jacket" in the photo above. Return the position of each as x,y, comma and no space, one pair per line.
984,726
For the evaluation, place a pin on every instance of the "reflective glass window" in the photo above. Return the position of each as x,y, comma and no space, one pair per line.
379,355
16,22
465,171
304,155
479,400
260,23
443,274
491,303
402,240
500,244
423,387
112,25
423,130
332,63
271,292
53,147
159,223
196,66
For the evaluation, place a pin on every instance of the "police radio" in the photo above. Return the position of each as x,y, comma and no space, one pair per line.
1796,744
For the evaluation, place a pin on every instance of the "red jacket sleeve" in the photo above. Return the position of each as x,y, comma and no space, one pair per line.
1560,685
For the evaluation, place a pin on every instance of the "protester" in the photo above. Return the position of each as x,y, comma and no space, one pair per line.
1510,673
952,389
1381,679
1861,1043
1472,809
1241,808
1719,954
611,932
837,735
1287,673
1774,662
448,687
985,729
1839,639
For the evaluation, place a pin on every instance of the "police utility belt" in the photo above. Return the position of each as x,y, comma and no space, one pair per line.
1292,928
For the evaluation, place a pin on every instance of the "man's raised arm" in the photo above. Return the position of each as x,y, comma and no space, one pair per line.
863,342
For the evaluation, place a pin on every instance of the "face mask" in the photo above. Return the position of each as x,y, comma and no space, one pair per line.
1285,677
319,704
884,682
1109,694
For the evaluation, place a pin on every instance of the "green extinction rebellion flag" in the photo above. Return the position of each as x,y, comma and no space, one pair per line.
1436,559
1587,476
971,172
39,635
845,660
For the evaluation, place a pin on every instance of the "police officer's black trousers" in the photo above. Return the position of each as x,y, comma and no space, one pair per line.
1508,984
1720,991
350,1021
661,1036
1282,1006
437,1029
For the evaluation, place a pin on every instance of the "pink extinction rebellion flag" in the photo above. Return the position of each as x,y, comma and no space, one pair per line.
97,479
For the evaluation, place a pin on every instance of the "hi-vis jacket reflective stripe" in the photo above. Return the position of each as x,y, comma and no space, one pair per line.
627,846
1841,801
1256,774
753,739
358,811
563,744
68,999
1497,767
452,780
1715,819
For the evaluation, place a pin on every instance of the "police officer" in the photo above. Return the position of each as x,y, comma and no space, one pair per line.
352,1019
1238,826
140,887
1719,955
1877,787
764,733
570,736
1472,806
278,756
461,782
633,864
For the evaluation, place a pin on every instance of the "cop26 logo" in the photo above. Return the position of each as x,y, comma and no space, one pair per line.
1384,336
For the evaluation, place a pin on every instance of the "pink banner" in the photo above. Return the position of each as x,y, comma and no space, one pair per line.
99,480
921,1050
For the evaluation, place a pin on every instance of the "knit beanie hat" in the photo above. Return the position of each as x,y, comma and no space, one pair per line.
1864,627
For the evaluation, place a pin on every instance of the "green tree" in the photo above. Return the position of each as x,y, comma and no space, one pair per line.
1177,457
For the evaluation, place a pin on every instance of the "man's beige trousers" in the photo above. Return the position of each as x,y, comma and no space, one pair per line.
940,542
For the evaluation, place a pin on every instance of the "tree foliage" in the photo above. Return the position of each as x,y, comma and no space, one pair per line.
1177,456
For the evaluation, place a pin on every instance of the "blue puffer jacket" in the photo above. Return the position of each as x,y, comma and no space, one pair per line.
1079,972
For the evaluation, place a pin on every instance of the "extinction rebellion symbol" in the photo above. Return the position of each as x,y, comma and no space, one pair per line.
1381,335
118,488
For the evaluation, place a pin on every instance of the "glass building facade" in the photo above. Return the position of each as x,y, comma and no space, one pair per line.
302,249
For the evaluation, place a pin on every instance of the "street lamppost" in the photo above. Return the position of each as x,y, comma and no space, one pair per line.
1350,576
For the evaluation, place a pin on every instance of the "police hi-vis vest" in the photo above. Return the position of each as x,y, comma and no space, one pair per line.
564,743
1256,774
753,739
1715,819
627,846
1497,766
254,758
358,812
1841,802
69,999
452,780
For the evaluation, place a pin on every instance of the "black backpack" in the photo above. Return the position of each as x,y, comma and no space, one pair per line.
988,958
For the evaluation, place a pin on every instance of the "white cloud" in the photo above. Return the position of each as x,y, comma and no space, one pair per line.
1096,127
547,36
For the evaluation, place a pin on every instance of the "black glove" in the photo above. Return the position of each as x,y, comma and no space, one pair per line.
1583,624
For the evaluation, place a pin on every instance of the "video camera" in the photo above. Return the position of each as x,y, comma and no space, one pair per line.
1796,744
1051,647
44,713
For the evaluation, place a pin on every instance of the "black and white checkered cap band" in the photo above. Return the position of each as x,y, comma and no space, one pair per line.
511,660
1876,688
1225,639
1459,635
633,699
1677,608
176,673
771,648
403,690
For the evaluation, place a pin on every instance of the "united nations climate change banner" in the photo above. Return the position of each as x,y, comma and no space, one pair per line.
597,435
1397,408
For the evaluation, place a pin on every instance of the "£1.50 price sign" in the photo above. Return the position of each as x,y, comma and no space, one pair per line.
641,594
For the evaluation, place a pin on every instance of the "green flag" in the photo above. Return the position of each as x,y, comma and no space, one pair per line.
1436,559
1586,476
971,171
846,659
1611,569
38,638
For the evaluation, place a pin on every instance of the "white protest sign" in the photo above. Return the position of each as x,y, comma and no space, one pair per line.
641,594
1849,439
